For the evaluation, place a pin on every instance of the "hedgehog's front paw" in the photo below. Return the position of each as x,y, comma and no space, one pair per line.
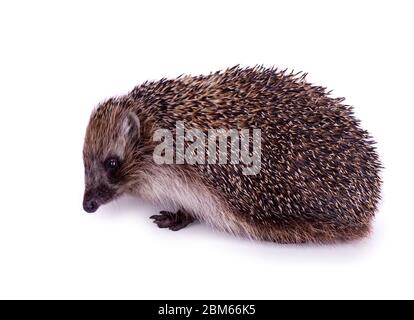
173,221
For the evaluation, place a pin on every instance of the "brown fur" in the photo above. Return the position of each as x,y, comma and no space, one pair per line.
319,178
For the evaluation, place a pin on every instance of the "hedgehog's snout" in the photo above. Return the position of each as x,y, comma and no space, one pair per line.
96,196
90,205
91,201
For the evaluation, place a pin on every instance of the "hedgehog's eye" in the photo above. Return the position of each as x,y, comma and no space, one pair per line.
112,164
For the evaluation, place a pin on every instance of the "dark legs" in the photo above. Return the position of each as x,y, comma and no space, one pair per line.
171,220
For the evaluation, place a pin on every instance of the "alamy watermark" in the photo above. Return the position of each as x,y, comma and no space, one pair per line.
218,146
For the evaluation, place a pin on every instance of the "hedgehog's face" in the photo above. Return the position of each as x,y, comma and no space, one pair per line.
109,147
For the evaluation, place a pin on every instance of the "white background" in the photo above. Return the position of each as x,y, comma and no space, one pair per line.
59,59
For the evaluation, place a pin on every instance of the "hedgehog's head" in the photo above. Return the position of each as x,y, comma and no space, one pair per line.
111,143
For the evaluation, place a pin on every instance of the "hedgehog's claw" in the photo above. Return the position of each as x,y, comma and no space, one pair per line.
173,221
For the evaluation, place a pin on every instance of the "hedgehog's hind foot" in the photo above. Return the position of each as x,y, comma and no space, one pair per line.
171,220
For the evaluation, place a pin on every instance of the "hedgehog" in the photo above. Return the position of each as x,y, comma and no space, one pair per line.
319,178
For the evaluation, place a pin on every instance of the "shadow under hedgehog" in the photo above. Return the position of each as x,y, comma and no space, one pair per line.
319,176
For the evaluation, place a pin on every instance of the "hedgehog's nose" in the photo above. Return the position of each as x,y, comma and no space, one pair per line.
90,205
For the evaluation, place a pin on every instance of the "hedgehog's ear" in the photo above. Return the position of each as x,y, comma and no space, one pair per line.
131,127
